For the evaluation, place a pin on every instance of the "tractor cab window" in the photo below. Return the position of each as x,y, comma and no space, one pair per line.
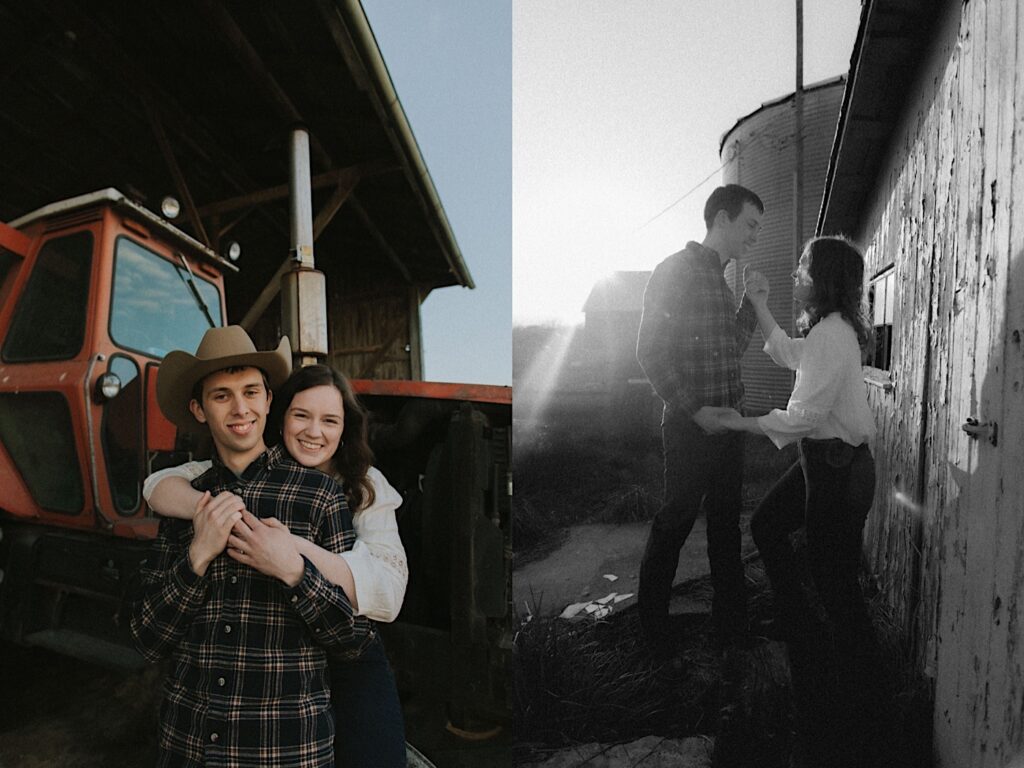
49,323
153,308
122,434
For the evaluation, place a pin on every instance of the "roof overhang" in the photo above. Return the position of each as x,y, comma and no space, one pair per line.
197,99
885,61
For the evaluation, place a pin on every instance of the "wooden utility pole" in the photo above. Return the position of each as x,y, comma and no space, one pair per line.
798,142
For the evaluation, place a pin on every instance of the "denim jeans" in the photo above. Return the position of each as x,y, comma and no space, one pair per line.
829,490
706,471
838,670
369,728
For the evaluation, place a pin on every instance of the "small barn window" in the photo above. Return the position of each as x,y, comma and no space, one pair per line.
882,298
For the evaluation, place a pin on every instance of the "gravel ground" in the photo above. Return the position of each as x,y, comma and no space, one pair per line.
57,712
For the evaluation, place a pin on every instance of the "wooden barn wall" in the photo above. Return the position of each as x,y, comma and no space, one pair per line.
373,325
946,535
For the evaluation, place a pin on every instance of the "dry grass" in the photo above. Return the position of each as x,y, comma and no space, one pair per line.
576,682
582,681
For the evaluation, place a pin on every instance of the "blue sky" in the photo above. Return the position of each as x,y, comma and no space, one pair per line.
451,65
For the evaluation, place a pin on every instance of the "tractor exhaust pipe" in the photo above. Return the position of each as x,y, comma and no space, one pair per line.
303,288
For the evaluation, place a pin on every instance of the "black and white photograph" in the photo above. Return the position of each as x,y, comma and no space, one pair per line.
767,375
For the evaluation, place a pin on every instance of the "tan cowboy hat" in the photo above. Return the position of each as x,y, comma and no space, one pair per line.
221,348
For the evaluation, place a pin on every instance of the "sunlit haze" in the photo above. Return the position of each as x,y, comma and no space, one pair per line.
618,109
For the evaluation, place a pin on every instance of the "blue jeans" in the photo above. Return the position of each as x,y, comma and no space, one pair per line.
838,671
370,730
706,471
829,490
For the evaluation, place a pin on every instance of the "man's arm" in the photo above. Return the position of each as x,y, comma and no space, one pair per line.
665,333
323,606
746,322
668,342
170,493
170,596
174,588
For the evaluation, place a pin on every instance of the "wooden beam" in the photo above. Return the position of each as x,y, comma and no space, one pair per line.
345,186
261,75
172,165
379,238
280,192
333,205
266,295
233,223
357,350
99,48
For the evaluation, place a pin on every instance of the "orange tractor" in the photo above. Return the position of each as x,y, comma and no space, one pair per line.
94,291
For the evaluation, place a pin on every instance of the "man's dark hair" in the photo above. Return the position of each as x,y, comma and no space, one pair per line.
197,388
730,199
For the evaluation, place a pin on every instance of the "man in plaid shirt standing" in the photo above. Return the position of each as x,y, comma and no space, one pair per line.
248,684
690,342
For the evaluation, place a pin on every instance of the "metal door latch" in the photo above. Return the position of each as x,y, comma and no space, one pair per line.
989,430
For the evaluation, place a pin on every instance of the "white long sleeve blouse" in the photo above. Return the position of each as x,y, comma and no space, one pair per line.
829,398
377,560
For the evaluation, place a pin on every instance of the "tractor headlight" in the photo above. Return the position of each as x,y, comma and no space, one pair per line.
109,386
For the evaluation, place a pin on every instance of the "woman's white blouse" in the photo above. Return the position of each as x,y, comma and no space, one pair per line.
829,398
377,559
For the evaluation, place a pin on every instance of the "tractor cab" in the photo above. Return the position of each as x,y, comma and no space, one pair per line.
96,290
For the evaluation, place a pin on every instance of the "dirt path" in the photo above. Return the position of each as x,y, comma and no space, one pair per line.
575,572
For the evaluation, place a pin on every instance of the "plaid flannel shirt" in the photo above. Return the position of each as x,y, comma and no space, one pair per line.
691,334
248,684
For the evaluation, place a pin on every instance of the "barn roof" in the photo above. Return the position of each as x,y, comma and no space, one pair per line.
886,56
619,292
154,98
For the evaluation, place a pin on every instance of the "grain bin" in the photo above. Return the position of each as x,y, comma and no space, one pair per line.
758,152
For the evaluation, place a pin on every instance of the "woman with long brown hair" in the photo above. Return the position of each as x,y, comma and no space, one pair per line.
828,491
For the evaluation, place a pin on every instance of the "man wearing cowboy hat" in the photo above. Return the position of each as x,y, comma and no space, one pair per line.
249,680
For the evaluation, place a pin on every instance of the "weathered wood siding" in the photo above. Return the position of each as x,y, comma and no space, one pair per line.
373,325
947,531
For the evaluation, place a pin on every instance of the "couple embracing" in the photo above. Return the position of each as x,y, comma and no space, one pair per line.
691,338
254,587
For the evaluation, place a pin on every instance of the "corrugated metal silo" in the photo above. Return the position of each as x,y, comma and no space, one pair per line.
758,152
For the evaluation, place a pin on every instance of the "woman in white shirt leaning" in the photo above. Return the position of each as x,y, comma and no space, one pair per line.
829,490
322,425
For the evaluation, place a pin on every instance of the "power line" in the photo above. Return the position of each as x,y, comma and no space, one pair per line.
677,202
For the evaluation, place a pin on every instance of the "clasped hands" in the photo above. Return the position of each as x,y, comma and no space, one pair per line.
222,522
717,420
